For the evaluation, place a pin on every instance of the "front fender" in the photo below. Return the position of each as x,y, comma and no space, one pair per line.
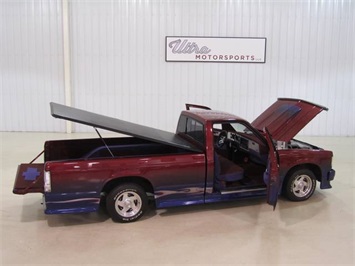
318,161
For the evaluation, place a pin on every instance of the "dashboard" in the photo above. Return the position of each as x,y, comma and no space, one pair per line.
243,143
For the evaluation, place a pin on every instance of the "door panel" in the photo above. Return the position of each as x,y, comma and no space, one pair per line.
271,176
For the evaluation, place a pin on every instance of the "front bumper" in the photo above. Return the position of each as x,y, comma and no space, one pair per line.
331,175
325,183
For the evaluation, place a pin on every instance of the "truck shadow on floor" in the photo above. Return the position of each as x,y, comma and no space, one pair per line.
238,204
34,212
250,209
288,211
102,215
77,219
291,212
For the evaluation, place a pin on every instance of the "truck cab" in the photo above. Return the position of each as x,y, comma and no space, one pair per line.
259,158
236,154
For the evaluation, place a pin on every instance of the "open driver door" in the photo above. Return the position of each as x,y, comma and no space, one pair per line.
271,176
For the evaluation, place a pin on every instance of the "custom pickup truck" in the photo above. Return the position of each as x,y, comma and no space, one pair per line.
213,156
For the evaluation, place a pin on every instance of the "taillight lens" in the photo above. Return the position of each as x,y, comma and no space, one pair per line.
47,181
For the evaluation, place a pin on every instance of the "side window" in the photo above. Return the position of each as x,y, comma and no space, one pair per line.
181,128
195,130
192,128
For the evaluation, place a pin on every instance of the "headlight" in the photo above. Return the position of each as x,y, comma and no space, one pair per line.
47,181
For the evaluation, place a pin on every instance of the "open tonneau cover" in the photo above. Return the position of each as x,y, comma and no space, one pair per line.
120,126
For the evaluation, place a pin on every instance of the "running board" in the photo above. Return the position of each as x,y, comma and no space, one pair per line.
242,190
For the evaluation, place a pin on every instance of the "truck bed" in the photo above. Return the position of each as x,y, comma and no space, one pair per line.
58,150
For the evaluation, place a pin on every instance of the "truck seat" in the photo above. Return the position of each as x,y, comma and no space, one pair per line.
226,170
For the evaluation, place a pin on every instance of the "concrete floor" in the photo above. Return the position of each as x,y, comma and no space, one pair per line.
319,231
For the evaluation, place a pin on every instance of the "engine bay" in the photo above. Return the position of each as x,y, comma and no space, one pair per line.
294,144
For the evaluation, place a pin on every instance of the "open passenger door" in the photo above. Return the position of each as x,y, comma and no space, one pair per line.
271,176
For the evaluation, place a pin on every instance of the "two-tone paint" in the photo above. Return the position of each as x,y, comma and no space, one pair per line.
78,185
73,184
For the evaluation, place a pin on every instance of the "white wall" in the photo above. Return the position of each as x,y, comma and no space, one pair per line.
31,64
118,63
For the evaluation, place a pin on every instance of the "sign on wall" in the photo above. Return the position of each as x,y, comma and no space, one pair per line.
215,49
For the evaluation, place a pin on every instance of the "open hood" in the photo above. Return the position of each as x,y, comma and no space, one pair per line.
286,117
120,126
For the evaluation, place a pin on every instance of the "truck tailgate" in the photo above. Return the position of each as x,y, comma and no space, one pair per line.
29,179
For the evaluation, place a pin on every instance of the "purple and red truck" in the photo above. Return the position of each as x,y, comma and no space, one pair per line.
213,156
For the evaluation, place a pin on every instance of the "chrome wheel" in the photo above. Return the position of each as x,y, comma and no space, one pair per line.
299,185
128,204
302,186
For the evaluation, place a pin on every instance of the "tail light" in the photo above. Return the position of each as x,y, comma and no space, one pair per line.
47,181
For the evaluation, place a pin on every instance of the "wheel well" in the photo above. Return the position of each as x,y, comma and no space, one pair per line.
312,167
144,183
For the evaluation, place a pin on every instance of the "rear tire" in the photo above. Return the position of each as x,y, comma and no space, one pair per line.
299,185
126,203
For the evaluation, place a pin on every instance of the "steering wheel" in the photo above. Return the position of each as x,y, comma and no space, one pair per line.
221,140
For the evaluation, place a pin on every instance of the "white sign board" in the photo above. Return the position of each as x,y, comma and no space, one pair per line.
215,49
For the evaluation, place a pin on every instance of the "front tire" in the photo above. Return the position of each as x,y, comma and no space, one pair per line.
300,185
126,203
